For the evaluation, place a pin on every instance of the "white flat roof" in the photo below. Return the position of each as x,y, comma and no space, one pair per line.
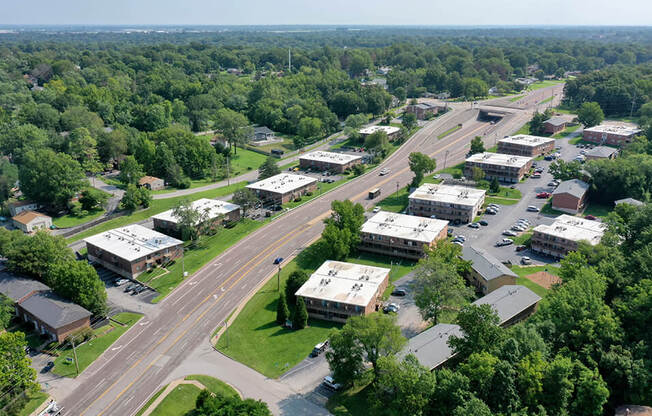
350,283
330,157
499,159
526,140
409,227
372,129
574,229
614,129
450,194
214,207
282,183
132,241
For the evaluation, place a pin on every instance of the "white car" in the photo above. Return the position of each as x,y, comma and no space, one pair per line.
384,171
376,209
532,208
331,384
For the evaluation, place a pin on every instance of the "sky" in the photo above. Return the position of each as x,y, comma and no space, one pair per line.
327,12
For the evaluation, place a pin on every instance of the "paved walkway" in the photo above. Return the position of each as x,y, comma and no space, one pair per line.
168,390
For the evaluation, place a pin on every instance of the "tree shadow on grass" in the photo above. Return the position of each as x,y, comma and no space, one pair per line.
268,325
313,256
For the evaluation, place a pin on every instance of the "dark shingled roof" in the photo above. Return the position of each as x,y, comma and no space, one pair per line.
53,310
431,346
263,130
630,201
485,264
16,288
509,300
601,151
556,121
574,187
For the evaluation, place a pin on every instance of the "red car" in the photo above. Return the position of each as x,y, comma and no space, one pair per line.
590,217
543,195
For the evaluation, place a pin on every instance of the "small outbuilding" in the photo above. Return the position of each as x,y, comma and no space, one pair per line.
31,221
152,183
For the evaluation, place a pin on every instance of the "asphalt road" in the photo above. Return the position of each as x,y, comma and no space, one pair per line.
133,369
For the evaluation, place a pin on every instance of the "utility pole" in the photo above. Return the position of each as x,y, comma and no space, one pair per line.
74,353
228,176
278,279
397,185
289,60
226,332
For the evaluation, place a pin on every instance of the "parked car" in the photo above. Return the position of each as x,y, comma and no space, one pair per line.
590,217
548,157
520,248
484,223
459,243
319,348
460,237
526,260
131,287
121,282
490,211
474,225
552,183
399,292
331,384
509,233
518,228
47,367
376,209
532,208
536,175
391,308
543,195
504,242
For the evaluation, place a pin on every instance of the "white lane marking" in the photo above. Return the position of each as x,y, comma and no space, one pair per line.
192,283
215,296
143,323
217,264
116,348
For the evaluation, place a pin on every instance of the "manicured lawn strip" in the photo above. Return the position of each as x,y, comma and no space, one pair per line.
89,351
287,145
256,340
214,385
523,271
525,129
395,202
539,290
34,401
69,220
523,239
453,170
500,201
547,100
325,187
567,132
598,210
506,192
449,131
516,98
245,160
543,84
178,402
150,401
193,185
195,257
157,206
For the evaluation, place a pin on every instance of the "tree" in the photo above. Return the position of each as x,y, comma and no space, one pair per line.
79,282
268,169
246,198
130,171
34,256
310,127
50,178
7,312
564,171
168,168
377,143
300,315
590,114
420,165
8,179
212,404
15,370
78,116
282,311
135,197
81,145
337,241
191,222
494,186
234,126
438,286
479,325
477,146
92,198
373,336
409,121
474,407
536,124
342,231
477,174
403,387
296,279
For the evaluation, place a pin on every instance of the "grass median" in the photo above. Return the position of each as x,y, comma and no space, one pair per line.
34,400
449,131
89,351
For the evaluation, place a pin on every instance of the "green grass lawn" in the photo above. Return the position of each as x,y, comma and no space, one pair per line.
287,145
245,160
547,209
598,210
454,170
500,201
567,132
197,183
516,98
449,131
157,206
396,202
355,401
547,100
523,271
523,239
544,84
89,351
34,401
69,220
255,338
525,129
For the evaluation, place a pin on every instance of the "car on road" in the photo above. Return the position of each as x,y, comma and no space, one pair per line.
319,348
532,208
399,292
47,367
526,260
509,233
504,242
474,225
520,248
543,195
278,260
384,171
376,209
484,223
331,384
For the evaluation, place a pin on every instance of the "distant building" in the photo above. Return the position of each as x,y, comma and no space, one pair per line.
381,82
555,124
383,70
330,161
234,71
391,131
17,207
422,110
630,201
30,221
564,234
431,346
401,235
610,134
512,303
506,168
338,290
152,183
447,202
132,250
601,152
217,213
263,133
570,196
283,188
36,304
526,145
487,273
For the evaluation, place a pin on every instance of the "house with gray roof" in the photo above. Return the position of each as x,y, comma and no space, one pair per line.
601,152
512,303
570,196
431,346
487,272
630,201
262,133
555,124
18,288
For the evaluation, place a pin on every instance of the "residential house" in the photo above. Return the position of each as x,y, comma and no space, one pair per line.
31,221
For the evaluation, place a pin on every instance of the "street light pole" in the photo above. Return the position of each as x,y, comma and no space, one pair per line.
397,185
278,279
445,158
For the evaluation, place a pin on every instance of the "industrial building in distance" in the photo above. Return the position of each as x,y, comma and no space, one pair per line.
487,272
505,168
132,250
562,236
283,188
447,202
339,290
526,145
328,161
213,210
611,134
391,131
400,235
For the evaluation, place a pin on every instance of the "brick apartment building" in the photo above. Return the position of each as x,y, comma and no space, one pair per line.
562,237
454,203
570,196
526,145
132,250
610,134
329,161
506,168
399,235
339,290
283,188
512,303
391,131
554,125
487,272
217,213
423,110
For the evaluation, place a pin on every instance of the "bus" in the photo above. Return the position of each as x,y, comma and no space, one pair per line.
374,193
